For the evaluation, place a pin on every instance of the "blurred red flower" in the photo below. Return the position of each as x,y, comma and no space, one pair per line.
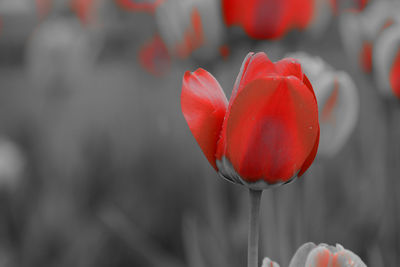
154,57
268,19
83,9
267,134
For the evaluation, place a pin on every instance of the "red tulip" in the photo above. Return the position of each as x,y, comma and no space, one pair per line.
268,133
265,19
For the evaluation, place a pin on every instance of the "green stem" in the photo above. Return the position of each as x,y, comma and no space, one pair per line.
254,226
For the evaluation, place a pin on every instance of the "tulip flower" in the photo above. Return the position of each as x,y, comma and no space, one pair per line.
338,102
269,263
386,57
267,134
310,255
190,27
268,19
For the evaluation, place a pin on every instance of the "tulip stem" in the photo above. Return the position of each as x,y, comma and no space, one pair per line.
254,225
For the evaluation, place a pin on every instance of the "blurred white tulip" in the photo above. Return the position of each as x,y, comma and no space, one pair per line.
360,30
60,56
338,102
191,27
12,164
386,58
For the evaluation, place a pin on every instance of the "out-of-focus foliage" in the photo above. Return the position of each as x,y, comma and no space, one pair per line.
101,168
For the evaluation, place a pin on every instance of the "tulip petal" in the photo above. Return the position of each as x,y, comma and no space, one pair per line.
300,257
395,75
254,66
366,57
154,57
386,62
319,257
346,258
272,128
204,105
289,67
83,9
269,263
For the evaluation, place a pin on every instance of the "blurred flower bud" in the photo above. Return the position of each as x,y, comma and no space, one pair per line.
269,19
338,102
386,58
84,9
310,255
154,57
12,164
60,56
191,27
360,31
269,263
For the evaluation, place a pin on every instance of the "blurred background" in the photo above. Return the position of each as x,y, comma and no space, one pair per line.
99,168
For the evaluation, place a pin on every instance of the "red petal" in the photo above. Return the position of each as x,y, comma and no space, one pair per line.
319,257
204,105
271,130
366,57
331,103
311,157
261,19
302,13
154,57
193,36
395,75
254,66
289,67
